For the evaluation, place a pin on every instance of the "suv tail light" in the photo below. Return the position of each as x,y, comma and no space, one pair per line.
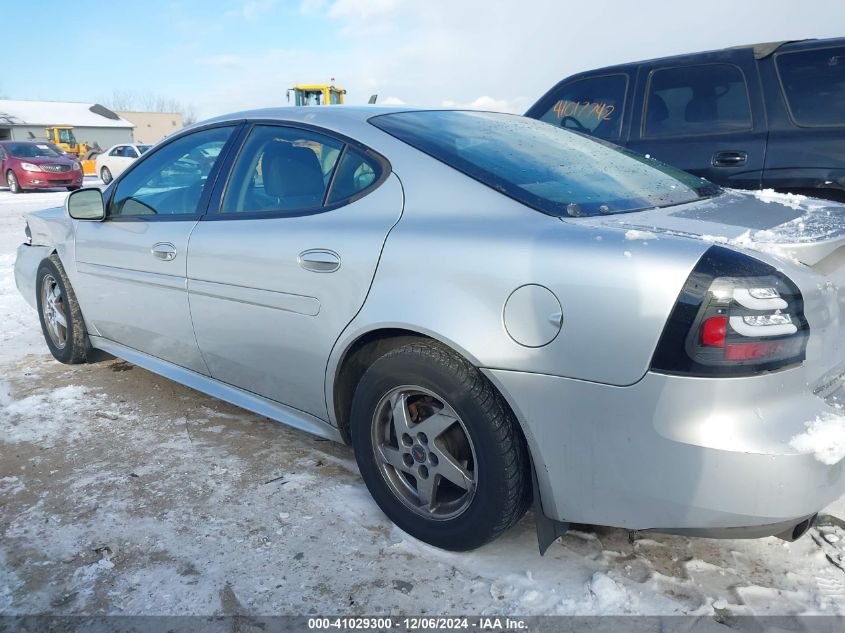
736,316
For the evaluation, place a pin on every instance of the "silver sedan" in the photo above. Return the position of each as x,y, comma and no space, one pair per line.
494,312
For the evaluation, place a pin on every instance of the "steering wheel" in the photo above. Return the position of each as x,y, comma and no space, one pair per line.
578,125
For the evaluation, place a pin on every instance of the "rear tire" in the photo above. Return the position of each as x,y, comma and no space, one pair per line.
12,181
59,313
105,175
422,418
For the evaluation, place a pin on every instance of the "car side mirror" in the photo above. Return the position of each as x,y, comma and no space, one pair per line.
86,204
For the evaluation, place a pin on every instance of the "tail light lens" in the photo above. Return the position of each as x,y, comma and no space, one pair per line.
736,316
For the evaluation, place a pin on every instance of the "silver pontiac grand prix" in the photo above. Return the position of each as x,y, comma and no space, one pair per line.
494,312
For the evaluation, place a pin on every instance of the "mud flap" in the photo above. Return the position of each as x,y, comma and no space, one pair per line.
548,530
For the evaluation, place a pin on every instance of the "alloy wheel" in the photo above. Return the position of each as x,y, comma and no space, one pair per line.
424,452
53,309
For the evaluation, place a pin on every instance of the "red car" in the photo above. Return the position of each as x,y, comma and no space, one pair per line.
37,165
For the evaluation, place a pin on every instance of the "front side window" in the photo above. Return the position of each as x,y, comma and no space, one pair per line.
281,169
171,181
814,85
592,105
696,100
544,166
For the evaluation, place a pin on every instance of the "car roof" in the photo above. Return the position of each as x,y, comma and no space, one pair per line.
760,51
317,115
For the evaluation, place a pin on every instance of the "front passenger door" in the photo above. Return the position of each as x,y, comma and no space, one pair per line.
132,266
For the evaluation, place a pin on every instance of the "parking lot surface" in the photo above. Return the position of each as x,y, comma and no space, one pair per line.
124,493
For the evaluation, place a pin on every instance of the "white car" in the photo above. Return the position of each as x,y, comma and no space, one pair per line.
113,162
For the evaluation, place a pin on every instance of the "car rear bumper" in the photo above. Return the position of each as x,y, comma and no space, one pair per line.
707,456
46,180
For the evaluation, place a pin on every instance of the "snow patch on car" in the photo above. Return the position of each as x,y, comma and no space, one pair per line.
634,234
793,200
824,439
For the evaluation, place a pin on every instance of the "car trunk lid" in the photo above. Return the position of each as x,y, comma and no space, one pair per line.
806,234
794,227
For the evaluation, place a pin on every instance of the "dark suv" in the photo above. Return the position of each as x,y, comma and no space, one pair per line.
769,115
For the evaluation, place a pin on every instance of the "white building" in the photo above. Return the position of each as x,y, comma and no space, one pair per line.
92,123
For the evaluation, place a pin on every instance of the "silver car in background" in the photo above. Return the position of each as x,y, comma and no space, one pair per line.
493,311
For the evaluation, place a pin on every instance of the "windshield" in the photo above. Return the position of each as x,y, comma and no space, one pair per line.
553,170
31,150
143,148
66,136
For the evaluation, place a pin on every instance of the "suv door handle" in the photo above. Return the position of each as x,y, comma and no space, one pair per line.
319,260
729,159
164,251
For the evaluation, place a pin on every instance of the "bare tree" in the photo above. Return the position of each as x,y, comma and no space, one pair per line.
129,100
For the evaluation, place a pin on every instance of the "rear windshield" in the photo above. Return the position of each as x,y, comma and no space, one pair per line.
556,171
31,150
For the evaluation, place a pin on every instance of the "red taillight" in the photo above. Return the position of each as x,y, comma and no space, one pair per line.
735,316
751,351
713,331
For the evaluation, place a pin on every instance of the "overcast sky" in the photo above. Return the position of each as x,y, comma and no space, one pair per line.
496,54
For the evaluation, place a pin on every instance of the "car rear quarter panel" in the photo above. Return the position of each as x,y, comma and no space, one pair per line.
461,249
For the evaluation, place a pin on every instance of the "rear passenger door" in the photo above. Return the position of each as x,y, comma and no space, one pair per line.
286,261
705,117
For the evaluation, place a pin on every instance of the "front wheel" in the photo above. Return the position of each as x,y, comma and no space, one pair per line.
58,310
12,181
105,175
438,448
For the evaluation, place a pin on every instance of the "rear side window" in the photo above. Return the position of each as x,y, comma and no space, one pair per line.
354,174
281,169
285,170
814,85
697,100
592,105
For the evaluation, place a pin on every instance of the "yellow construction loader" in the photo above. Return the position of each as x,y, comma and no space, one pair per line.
316,94
62,136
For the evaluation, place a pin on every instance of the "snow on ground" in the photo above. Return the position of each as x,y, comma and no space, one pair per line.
122,492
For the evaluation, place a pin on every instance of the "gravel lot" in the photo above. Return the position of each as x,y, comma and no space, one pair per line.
124,493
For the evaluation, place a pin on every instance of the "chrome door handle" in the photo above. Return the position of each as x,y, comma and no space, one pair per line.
729,159
319,260
164,251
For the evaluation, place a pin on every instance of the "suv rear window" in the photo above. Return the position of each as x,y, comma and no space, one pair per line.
814,84
592,105
696,100
555,171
